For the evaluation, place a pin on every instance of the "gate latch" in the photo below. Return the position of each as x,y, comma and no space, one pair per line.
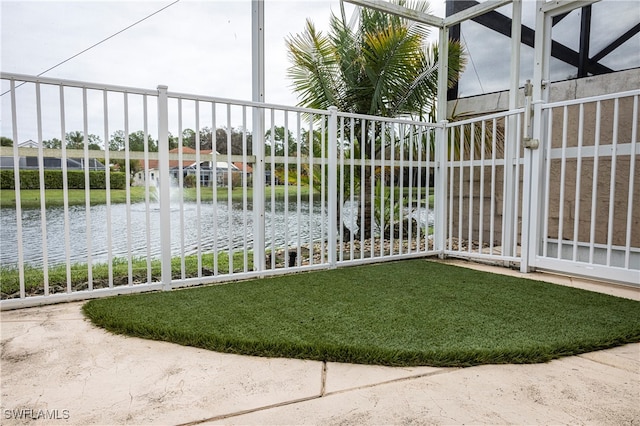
528,141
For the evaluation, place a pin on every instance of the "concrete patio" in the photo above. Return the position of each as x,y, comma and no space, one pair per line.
59,369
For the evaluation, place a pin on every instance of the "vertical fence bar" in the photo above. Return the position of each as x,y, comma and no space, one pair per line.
87,188
427,194
286,188
146,185
547,183
180,170
516,193
471,185
612,184
198,189
594,184
214,168
632,168
17,187
563,171
420,166
273,192
363,231
323,186
65,190
298,189
510,163
401,148
449,196
332,203
576,211
43,206
107,161
127,162
392,188
229,193
461,187
164,181
372,185
483,134
505,187
410,209
311,224
383,185
341,197
352,215
494,155
245,206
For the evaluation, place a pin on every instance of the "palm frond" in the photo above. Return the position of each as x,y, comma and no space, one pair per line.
313,72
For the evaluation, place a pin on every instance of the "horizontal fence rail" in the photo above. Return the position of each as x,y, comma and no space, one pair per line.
111,189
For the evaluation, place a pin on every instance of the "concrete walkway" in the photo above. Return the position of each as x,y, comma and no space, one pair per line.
59,369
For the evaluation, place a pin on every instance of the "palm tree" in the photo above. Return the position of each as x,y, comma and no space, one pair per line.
380,66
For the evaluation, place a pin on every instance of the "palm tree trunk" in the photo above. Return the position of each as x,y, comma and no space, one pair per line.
365,228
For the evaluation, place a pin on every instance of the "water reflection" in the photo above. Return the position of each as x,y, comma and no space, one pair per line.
220,228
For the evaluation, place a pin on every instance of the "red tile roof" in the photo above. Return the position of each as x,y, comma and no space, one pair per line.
153,164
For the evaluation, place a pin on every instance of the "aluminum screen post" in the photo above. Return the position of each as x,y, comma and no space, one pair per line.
257,60
440,183
332,208
164,181
534,161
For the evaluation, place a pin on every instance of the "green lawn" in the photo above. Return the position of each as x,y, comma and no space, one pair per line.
402,313
30,198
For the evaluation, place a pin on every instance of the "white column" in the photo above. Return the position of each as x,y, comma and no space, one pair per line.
534,160
440,178
510,150
257,136
164,181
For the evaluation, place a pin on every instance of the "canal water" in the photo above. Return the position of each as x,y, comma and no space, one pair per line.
220,228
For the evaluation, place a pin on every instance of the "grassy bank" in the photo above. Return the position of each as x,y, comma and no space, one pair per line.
30,198
34,277
403,313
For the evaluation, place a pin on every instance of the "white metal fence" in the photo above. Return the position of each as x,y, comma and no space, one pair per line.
317,190
485,170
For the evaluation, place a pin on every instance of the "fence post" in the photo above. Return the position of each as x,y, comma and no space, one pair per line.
164,181
257,60
534,160
332,211
441,142
440,188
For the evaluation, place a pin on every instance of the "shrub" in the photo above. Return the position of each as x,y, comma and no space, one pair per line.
189,181
30,179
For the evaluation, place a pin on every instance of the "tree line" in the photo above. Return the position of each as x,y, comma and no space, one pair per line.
117,141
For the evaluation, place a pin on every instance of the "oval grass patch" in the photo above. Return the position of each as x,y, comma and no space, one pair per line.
401,313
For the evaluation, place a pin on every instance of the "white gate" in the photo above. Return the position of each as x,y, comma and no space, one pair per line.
590,195
581,210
